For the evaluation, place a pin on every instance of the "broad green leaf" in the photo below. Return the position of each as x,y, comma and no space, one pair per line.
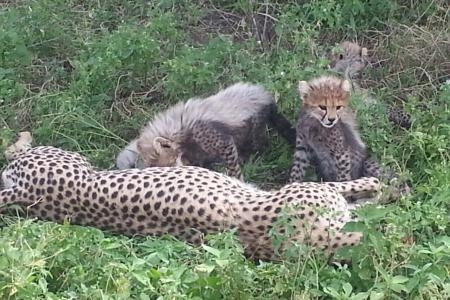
376,295
399,279
347,287
211,250
204,268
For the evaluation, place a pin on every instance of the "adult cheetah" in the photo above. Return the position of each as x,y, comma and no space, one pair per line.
187,202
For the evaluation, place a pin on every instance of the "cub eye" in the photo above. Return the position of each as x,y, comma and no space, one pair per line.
338,107
166,146
322,107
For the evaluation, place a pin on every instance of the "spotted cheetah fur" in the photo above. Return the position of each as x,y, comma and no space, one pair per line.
187,202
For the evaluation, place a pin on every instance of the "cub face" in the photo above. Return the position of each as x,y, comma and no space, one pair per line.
160,152
350,59
325,98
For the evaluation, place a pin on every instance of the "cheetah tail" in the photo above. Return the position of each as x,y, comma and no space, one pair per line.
22,144
357,186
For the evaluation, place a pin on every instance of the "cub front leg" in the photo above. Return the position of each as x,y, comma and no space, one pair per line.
325,163
301,160
344,167
216,139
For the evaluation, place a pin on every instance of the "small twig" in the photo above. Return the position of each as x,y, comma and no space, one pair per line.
118,84
39,200
266,15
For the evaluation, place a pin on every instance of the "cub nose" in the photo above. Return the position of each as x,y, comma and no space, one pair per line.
331,120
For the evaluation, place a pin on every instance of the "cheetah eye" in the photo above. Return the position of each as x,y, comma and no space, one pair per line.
338,107
166,146
322,107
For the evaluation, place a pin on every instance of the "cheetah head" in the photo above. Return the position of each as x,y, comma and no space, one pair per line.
325,98
349,59
161,152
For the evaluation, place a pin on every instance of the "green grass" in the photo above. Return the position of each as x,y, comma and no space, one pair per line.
85,75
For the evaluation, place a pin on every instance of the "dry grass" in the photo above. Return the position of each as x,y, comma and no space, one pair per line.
258,22
416,59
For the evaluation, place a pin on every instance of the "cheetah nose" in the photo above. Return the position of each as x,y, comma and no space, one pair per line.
331,120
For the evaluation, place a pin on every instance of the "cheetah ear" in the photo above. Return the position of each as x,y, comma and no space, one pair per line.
161,144
364,52
345,85
303,88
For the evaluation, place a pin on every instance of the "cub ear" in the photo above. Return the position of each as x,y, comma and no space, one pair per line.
303,88
346,86
160,144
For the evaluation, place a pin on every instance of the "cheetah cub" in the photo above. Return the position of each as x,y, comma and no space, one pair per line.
350,61
327,134
187,202
224,128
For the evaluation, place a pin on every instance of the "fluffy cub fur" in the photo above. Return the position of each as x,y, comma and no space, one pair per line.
224,128
327,134
349,60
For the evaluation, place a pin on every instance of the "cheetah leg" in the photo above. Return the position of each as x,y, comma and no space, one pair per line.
319,155
228,152
344,169
258,136
326,165
355,187
330,236
350,167
232,160
337,239
213,140
301,160
372,168
22,145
